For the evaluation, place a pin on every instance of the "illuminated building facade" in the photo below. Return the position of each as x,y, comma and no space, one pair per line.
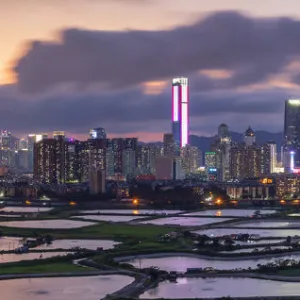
49,161
244,161
180,111
97,133
291,152
268,158
191,159
121,157
59,134
144,159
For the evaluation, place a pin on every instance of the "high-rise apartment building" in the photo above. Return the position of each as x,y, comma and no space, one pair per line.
144,159
191,159
244,161
268,158
49,161
169,144
121,157
180,112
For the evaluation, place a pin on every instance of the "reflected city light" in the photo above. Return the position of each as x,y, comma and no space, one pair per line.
218,213
135,212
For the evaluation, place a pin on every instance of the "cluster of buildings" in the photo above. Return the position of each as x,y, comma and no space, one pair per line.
58,160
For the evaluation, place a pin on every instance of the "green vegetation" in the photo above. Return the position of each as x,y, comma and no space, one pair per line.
58,267
102,230
289,272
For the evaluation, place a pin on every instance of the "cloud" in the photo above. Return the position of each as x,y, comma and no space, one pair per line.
132,111
251,48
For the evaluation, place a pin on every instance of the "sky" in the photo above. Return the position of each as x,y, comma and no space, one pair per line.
77,64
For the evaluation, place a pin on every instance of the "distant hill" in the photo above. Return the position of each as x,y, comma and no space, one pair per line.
262,137
204,142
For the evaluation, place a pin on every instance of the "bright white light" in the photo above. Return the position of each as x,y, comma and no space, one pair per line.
175,103
294,102
184,94
184,124
292,162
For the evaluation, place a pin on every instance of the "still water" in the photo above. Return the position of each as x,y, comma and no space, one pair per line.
268,224
249,250
9,243
105,218
132,211
72,288
49,224
222,287
182,263
24,209
229,212
87,244
184,221
261,232
7,258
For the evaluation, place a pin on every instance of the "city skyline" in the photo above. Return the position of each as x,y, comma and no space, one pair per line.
228,83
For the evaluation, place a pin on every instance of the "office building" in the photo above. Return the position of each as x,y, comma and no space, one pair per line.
180,112
31,140
249,137
291,151
221,147
97,133
223,131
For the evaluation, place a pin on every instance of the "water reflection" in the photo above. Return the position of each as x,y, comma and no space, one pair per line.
73,288
229,212
184,221
222,287
24,209
106,218
262,232
132,211
182,263
268,224
6,258
87,244
49,224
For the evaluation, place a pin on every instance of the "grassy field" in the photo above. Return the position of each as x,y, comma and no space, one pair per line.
103,230
58,267
290,272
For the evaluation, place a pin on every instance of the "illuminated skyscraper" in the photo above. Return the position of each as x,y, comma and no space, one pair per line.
292,135
180,115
